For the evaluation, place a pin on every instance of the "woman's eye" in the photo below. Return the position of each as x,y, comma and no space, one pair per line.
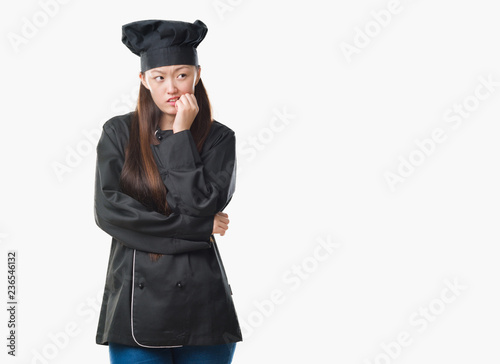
157,78
182,75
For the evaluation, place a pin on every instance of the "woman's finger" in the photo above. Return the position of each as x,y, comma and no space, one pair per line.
191,101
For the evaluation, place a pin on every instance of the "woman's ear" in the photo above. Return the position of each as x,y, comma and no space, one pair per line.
143,80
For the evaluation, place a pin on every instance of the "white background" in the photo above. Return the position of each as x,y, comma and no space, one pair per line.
352,120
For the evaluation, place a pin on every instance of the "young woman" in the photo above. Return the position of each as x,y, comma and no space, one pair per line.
164,173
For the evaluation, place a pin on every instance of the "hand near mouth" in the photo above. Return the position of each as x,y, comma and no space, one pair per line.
187,109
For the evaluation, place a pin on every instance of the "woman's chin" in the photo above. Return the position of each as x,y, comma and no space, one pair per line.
169,110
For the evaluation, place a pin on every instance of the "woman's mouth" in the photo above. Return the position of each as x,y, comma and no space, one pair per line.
172,100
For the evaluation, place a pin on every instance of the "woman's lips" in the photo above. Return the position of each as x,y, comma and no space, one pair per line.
172,100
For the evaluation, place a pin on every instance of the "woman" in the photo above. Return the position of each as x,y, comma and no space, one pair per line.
164,173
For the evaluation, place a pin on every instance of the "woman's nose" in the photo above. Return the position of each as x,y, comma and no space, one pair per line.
170,87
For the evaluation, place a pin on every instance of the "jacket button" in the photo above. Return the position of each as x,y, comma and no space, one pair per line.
179,284
159,137
141,285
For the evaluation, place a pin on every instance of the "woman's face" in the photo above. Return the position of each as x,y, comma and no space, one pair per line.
168,83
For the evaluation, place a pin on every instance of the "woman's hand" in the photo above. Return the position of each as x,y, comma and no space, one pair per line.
187,109
221,221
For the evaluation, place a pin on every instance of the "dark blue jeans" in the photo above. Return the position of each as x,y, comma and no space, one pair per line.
203,354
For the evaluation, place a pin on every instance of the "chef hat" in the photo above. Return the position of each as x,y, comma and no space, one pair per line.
164,42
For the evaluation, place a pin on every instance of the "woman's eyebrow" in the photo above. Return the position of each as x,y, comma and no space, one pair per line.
175,69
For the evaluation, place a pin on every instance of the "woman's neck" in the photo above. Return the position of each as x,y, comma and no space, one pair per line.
167,122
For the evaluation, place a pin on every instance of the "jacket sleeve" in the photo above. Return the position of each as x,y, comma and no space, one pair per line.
130,222
198,185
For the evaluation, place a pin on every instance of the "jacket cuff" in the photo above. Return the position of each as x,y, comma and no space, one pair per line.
177,151
199,228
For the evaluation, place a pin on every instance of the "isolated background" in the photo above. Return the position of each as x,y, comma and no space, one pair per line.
322,177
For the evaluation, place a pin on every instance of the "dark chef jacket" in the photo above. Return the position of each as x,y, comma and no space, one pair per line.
183,298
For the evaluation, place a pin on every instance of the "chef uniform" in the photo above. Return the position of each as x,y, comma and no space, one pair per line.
183,298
